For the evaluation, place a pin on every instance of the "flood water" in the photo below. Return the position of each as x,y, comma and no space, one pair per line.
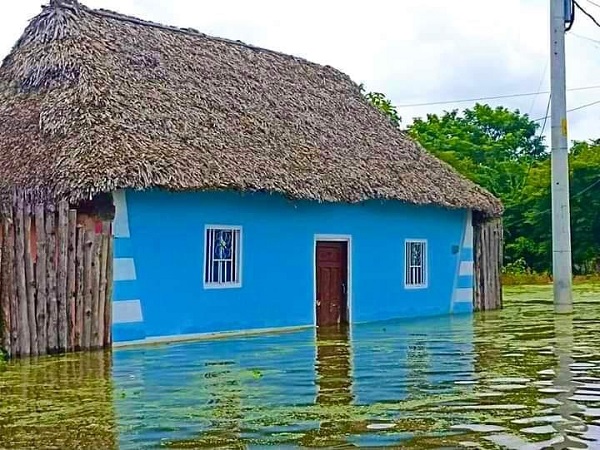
521,378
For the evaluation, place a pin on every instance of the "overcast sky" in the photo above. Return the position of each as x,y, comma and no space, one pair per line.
413,51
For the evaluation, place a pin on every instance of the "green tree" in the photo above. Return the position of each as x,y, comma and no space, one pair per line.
584,162
503,151
494,147
585,205
383,104
497,149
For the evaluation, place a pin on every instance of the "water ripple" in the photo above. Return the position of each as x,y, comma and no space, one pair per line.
521,378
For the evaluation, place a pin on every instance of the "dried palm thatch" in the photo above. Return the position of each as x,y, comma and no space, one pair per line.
92,101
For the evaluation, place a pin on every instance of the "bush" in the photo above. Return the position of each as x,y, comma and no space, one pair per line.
518,273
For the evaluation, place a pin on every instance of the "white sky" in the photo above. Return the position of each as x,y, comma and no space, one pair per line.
414,51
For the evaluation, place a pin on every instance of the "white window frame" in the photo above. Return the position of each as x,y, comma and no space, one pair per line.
208,257
408,266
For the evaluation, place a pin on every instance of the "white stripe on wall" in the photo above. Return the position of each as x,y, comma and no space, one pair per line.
121,222
128,311
124,269
463,295
466,268
468,240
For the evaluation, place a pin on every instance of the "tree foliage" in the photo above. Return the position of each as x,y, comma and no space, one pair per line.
503,151
535,242
494,147
383,104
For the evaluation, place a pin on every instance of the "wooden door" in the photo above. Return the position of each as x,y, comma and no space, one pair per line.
332,283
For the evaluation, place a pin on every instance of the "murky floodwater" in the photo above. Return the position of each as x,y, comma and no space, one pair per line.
519,378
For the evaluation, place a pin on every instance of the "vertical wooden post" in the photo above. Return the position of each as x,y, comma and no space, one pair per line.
71,277
12,288
488,264
96,343
56,291
499,255
485,276
103,284
61,279
88,258
52,306
30,278
24,333
3,346
109,292
40,275
495,266
79,310
476,267
5,281
500,264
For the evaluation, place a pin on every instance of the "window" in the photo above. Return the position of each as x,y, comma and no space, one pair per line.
222,259
416,264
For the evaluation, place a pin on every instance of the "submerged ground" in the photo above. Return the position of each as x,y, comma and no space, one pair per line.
518,378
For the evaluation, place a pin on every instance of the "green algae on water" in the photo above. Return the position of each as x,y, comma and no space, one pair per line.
457,382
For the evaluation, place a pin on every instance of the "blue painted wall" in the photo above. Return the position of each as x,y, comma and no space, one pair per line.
165,240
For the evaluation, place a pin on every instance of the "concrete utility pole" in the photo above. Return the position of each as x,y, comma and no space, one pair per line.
561,216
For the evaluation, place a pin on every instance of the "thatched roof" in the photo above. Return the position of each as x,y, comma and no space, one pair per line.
92,101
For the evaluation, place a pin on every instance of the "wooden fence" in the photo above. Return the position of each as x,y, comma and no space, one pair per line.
55,280
488,242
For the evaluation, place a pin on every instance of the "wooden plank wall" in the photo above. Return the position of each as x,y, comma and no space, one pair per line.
488,242
55,280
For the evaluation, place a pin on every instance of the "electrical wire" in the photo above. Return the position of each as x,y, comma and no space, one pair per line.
587,188
545,119
595,183
577,108
587,105
594,3
580,8
539,136
546,116
495,97
585,38
583,106
539,88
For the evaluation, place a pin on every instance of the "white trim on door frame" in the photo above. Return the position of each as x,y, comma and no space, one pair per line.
333,238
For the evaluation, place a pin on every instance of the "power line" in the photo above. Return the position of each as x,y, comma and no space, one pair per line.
577,108
588,188
547,115
595,183
539,136
583,106
595,41
586,13
540,88
494,97
593,3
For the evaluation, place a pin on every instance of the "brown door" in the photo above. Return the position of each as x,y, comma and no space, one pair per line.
332,282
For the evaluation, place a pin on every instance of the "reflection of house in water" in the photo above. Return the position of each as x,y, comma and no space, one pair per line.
401,360
224,387
214,394
417,363
334,388
333,366
290,389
